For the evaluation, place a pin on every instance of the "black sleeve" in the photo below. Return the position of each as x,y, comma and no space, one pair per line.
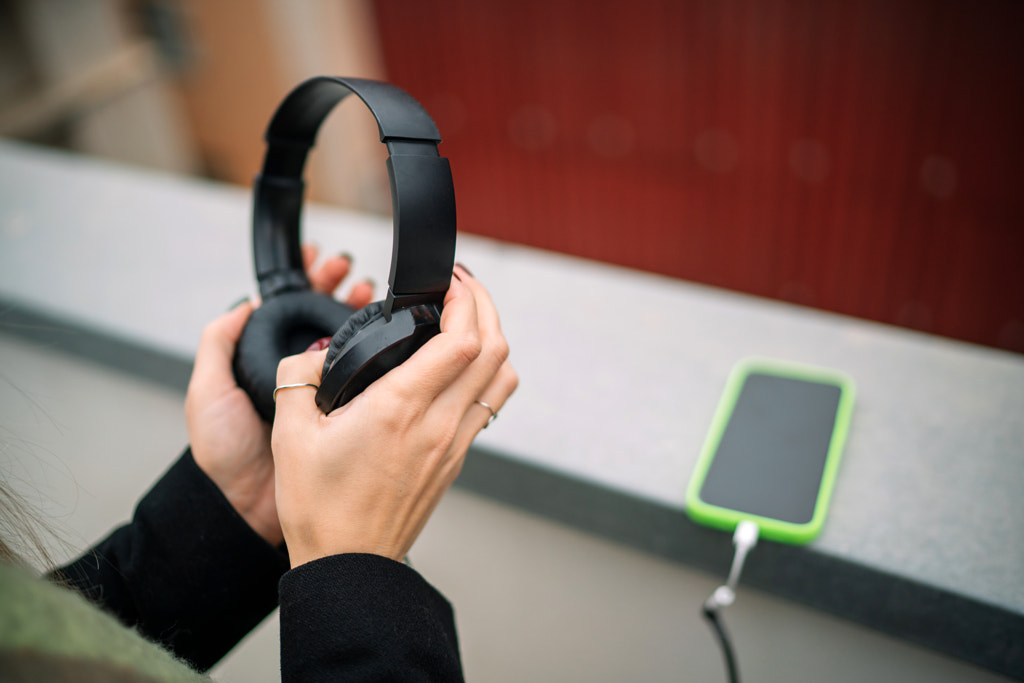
365,618
188,572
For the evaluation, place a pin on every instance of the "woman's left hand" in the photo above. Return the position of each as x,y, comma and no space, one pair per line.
229,441
366,477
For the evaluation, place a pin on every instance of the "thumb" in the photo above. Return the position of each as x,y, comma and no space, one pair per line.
212,368
228,327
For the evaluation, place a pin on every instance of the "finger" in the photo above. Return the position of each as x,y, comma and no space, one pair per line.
361,294
330,273
212,369
442,359
478,417
298,402
486,310
309,254
493,354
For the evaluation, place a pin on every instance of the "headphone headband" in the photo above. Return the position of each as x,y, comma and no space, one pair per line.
422,194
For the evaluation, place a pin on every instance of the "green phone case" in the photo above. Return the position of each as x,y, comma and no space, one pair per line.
773,529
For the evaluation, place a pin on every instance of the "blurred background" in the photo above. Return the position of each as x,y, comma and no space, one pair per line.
862,157
865,157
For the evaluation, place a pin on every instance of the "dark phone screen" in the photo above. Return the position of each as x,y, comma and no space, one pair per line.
772,454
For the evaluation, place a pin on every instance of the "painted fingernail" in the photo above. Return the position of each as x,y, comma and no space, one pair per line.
238,303
373,285
468,271
347,256
320,344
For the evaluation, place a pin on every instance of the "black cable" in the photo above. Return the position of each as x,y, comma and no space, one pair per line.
711,614
744,538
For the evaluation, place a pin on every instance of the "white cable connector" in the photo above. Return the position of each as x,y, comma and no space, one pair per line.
744,538
746,534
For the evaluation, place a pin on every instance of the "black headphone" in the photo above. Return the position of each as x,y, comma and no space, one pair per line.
368,343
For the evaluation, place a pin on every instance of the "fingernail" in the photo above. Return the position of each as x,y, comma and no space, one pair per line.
238,303
320,344
468,271
373,285
347,256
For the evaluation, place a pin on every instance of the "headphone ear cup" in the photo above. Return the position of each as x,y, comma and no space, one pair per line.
360,319
282,326
370,346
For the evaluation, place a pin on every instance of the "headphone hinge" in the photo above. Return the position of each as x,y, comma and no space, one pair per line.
411,147
396,302
282,281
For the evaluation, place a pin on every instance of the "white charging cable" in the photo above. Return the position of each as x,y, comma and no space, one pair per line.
744,539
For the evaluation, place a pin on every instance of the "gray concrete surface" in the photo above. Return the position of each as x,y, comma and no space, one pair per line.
535,600
620,373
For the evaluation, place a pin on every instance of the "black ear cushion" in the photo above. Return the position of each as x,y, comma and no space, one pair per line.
282,326
358,321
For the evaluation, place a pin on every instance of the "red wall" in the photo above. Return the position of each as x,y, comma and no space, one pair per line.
860,157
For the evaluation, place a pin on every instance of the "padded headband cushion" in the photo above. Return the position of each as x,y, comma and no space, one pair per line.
283,326
358,321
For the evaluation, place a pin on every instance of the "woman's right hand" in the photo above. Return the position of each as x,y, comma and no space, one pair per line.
229,441
366,477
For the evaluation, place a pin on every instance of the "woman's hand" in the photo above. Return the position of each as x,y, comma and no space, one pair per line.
229,441
365,478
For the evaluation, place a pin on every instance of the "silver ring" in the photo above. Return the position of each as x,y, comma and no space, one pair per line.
292,386
492,418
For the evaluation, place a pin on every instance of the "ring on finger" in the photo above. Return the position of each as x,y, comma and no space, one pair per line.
494,414
293,386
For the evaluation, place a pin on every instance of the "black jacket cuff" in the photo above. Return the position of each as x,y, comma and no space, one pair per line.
187,571
365,618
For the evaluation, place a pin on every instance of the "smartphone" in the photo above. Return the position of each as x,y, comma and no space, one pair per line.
773,450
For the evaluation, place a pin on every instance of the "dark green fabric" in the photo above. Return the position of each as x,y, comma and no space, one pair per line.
48,629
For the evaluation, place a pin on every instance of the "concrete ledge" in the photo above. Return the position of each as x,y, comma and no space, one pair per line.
620,372
979,633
